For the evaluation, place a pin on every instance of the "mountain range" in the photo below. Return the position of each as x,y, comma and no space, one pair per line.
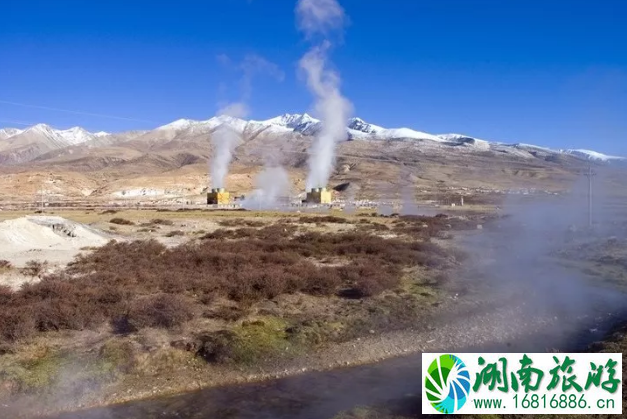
170,163
18,146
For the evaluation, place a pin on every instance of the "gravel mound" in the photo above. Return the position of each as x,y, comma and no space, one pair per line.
54,239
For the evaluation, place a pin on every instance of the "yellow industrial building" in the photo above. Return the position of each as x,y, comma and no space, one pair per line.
218,196
319,196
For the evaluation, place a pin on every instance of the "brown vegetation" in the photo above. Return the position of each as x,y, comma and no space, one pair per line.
426,227
323,219
159,221
121,221
239,222
34,268
143,283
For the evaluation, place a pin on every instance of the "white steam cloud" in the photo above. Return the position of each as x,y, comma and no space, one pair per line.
320,17
235,110
251,66
224,139
271,184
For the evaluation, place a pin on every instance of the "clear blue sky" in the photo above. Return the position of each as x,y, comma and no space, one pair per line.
548,72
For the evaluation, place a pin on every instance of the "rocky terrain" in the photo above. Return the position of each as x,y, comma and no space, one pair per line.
170,163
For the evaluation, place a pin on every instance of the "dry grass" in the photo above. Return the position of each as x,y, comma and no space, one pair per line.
240,222
5,266
125,283
121,221
34,268
174,233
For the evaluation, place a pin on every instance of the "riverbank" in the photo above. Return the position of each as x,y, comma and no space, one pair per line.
614,341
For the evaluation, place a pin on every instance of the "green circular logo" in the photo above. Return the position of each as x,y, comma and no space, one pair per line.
447,383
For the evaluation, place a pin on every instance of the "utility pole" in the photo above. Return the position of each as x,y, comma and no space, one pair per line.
41,199
590,174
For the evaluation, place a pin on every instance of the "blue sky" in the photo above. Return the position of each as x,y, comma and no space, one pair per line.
552,73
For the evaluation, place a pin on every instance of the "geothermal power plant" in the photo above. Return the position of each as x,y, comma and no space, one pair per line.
218,196
319,196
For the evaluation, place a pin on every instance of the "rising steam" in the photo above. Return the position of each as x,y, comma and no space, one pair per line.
271,184
224,139
320,17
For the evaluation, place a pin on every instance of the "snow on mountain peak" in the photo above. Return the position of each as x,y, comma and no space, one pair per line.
235,123
42,128
304,124
179,124
591,155
75,135
359,124
290,120
9,132
54,137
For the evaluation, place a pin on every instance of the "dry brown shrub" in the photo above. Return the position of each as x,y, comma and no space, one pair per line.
238,222
34,268
6,293
161,221
143,283
17,323
162,310
121,221
323,219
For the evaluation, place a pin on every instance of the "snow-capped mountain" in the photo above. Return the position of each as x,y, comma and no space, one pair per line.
465,140
179,124
296,122
9,132
76,135
359,125
199,126
61,138
591,155
17,145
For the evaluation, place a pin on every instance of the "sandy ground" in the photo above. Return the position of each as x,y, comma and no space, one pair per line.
54,240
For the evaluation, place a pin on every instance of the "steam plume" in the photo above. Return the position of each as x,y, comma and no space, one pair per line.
235,110
270,185
252,66
408,202
320,17
224,139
